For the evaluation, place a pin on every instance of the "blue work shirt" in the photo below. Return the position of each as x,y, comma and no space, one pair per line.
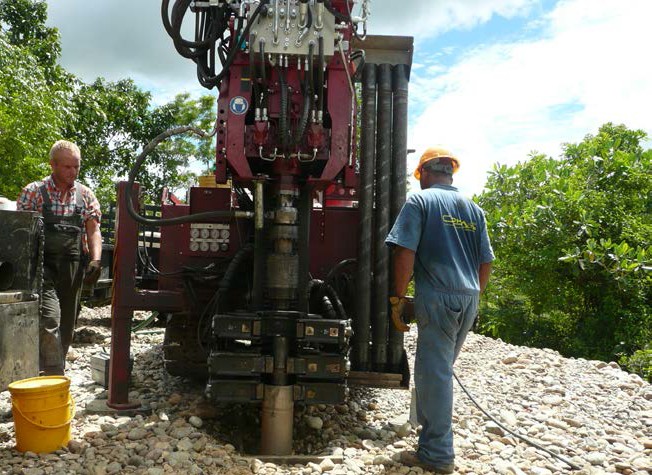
448,233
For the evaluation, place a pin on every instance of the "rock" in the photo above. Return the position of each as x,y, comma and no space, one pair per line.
511,358
196,422
75,447
155,471
315,423
326,465
382,460
494,428
508,417
184,444
552,399
137,434
175,399
596,458
404,430
314,467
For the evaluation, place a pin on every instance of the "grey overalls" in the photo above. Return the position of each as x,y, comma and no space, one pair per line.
62,281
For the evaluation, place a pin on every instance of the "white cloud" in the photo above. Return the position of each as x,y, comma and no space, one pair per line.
121,38
500,102
426,18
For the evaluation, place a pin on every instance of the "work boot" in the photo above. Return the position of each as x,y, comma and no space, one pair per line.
411,459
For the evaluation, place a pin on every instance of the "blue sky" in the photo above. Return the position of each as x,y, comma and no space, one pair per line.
493,80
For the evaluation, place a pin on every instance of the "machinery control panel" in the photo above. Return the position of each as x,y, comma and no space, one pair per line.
289,26
209,237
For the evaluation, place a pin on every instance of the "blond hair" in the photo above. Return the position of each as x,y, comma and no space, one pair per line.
64,145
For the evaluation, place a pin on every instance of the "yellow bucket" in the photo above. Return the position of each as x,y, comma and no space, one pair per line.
42,409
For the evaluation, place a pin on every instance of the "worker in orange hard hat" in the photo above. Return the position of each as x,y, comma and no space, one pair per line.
441,236
437,160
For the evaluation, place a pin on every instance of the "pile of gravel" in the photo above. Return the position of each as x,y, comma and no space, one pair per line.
591,412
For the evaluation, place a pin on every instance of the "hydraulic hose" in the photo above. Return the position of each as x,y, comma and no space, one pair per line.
283,113
518,436
307,100
181,219
320,75
213,24
326,290
252,68
263,75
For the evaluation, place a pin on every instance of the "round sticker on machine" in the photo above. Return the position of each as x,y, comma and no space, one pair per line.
239,105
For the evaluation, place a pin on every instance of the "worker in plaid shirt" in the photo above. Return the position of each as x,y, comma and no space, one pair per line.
73,247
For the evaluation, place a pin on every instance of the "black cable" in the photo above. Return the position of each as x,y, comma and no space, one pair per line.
320,75
263,74
181,219
210,40
339,16
518,436
253,73
308,101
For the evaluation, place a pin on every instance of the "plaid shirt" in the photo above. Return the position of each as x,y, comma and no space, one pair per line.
30,199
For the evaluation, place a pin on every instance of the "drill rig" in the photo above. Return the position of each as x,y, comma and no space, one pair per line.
276,277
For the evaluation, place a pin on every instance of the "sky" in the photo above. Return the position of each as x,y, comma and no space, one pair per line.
492,80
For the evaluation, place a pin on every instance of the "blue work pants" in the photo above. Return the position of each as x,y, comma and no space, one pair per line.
443,321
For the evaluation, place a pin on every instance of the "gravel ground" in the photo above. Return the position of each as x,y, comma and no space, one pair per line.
593,413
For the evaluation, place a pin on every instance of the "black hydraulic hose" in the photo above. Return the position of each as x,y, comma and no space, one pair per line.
320,74
181,219
518,436
336,14
316,285
225,284
326,304
283,112
263,74
252,68
165,16
307,99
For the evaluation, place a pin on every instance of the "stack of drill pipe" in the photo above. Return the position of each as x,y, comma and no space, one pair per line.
399,184
381,197
362,321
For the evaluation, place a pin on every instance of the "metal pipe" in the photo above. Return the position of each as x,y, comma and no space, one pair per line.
380,323
304,209
399,184
361,321
259,246
277,420
275,24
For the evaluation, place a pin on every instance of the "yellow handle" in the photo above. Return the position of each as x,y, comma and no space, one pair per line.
71,401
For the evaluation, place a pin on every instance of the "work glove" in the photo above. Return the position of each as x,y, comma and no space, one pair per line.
398,303
476,322
92,273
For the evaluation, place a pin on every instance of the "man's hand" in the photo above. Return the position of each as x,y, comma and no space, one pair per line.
398,303
92,273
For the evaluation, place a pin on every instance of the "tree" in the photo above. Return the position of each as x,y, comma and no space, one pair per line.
573,243
40,103
30,118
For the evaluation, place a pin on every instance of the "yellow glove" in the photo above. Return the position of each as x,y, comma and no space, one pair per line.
398,303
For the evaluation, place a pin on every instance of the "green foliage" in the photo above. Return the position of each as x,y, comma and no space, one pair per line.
110,121
573,243
640,362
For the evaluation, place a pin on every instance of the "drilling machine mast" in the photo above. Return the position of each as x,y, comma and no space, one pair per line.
276,278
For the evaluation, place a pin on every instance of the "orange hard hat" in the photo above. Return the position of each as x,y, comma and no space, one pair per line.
435,153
